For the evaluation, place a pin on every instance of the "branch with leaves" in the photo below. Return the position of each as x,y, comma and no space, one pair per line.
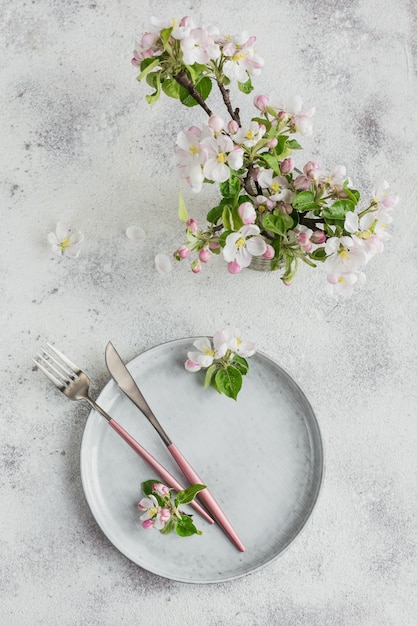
268,207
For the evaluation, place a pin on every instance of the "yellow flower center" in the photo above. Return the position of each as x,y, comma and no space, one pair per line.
366,234
240,242
221,157
153,512
250,134
261,208
239,56
276,187
64,244
341,280
208,352
194,150
344,253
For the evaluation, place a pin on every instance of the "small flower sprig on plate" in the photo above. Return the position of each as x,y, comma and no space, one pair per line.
161,512
225,360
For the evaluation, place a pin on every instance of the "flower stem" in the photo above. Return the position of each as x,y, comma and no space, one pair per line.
234,114
183,79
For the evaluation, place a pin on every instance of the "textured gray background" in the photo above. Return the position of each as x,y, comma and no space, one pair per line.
79,142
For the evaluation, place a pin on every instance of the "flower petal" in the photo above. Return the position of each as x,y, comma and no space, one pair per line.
163,264
135,233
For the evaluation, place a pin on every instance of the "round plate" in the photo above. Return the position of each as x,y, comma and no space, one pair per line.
261,456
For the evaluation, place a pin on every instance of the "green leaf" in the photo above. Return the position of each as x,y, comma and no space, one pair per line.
229,381
282,145
165,35
271,161
185,527
215,214
227,218
147,66
277,223
230,187
147,485
153,97
338,210
170,526
304,200
294,145
187,495
202,85
319,254
209,375
241,364
171,88
182,210
152,79
246,87
266,123
353,194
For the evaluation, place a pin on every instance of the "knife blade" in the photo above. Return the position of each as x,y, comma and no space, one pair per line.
127,384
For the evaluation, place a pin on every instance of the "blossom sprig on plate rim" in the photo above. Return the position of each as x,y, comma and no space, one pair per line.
225,359
161,508
269,208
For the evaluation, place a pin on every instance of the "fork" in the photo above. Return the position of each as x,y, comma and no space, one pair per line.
75,385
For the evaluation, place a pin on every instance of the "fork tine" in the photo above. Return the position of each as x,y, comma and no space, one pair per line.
62,368
65,359
60,373
55,381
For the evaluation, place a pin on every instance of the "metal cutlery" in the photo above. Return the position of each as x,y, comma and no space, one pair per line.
75,385
127,384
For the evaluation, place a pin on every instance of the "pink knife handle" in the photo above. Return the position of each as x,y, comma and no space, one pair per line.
160,469
206,496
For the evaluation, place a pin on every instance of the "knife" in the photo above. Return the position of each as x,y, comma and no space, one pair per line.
126,383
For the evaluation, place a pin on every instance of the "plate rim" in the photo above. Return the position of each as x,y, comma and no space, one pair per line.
319,485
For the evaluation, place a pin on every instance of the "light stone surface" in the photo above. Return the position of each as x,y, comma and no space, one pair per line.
80,143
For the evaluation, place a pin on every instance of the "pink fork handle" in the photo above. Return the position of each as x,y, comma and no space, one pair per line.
160,469
206,496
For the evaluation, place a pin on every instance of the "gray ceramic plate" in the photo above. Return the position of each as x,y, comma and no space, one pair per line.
261,456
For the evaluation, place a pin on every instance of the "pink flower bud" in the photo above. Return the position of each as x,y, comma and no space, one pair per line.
261,130
234,267
183,252
192,225
135,62
272,143
287,208
301,183
247,213
287,165
233,127
269,252
261,102
304,240
312,170
164,515
319,236
216,123
163,490
148,523
186,21
196,267
214,245
204,255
